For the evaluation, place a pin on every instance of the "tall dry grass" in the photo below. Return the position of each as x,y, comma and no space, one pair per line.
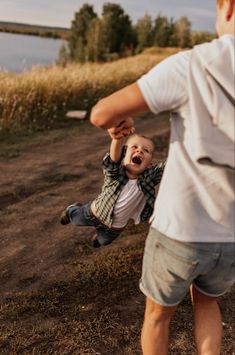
38,99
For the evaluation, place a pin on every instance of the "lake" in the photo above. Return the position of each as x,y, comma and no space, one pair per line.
22,52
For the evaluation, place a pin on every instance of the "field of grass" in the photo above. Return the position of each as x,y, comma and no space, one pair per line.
39,99
59,295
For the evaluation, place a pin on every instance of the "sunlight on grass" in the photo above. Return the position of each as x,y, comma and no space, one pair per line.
41,97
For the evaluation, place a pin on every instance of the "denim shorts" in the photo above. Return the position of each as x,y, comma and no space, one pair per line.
171,266
83,216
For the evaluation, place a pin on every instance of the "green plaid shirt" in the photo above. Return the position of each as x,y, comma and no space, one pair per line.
114,180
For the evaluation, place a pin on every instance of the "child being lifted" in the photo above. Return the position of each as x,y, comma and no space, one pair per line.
128,190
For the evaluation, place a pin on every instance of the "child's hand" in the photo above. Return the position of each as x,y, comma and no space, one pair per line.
120,134
124,129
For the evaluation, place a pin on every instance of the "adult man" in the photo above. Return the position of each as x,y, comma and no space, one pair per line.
191,240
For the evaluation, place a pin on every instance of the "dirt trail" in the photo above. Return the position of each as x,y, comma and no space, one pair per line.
37,185
38,180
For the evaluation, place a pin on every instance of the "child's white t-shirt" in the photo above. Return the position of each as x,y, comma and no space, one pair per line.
129,205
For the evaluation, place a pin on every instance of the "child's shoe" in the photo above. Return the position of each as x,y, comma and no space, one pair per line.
64,218
95,242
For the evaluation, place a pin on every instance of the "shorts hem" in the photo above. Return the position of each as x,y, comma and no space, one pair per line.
161,303
209,294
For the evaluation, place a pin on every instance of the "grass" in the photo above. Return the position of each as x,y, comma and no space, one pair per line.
39,99
76,316
97,310
94,307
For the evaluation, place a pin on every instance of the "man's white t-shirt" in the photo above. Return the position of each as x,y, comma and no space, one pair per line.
195,202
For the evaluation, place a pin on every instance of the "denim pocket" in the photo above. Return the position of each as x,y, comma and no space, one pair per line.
174,267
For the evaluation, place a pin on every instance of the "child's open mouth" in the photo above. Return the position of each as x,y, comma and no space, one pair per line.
136,160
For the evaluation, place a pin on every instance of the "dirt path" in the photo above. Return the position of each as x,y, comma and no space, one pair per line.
37,185
38,179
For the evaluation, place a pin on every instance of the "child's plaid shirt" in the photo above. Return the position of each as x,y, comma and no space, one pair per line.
114,180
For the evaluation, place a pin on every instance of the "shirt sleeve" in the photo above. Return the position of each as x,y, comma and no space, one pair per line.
164,87
156,172
110,168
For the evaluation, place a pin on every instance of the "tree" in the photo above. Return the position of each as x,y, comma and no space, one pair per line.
182,32
162,31
144,31
119,34
171,31
95,49
63,55
201,37
79,32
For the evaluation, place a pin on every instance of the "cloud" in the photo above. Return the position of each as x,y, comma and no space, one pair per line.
195,11
61,12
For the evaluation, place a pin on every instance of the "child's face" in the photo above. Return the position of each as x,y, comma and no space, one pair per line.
138,155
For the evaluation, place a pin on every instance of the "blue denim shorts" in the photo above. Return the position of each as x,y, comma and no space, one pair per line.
83,216
171,266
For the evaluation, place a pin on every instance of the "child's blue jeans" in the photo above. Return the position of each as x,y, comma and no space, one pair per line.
83,216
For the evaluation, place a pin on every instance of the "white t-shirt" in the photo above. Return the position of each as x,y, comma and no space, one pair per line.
195,202
129,205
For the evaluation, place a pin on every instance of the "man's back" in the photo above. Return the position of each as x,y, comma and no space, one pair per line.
195,201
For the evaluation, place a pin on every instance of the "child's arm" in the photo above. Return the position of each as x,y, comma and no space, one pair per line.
116,149
124,129
118,135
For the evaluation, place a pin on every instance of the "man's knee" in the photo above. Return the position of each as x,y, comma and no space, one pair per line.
155,313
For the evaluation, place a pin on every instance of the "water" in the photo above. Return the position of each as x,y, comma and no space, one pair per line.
22,52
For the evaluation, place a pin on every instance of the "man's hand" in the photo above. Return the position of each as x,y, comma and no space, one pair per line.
124,129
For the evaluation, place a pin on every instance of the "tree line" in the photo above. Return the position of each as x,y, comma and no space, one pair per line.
113,35
34,30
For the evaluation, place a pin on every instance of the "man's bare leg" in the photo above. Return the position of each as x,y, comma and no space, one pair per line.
155,331
208,324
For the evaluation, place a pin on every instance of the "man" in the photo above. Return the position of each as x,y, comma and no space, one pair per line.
191,240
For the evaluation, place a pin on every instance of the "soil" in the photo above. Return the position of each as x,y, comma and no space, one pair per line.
58,295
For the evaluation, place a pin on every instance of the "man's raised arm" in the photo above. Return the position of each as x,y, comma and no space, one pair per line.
112,110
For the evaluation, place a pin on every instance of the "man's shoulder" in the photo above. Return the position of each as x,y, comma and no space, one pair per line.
219,47
176,64
180,57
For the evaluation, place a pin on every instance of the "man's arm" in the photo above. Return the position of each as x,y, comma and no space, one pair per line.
112,110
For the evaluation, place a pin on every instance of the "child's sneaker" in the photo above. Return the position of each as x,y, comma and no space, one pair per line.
95,242
64,218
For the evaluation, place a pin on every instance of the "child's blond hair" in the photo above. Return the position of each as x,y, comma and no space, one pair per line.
142,136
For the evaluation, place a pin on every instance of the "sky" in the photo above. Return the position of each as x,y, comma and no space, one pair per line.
60,13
